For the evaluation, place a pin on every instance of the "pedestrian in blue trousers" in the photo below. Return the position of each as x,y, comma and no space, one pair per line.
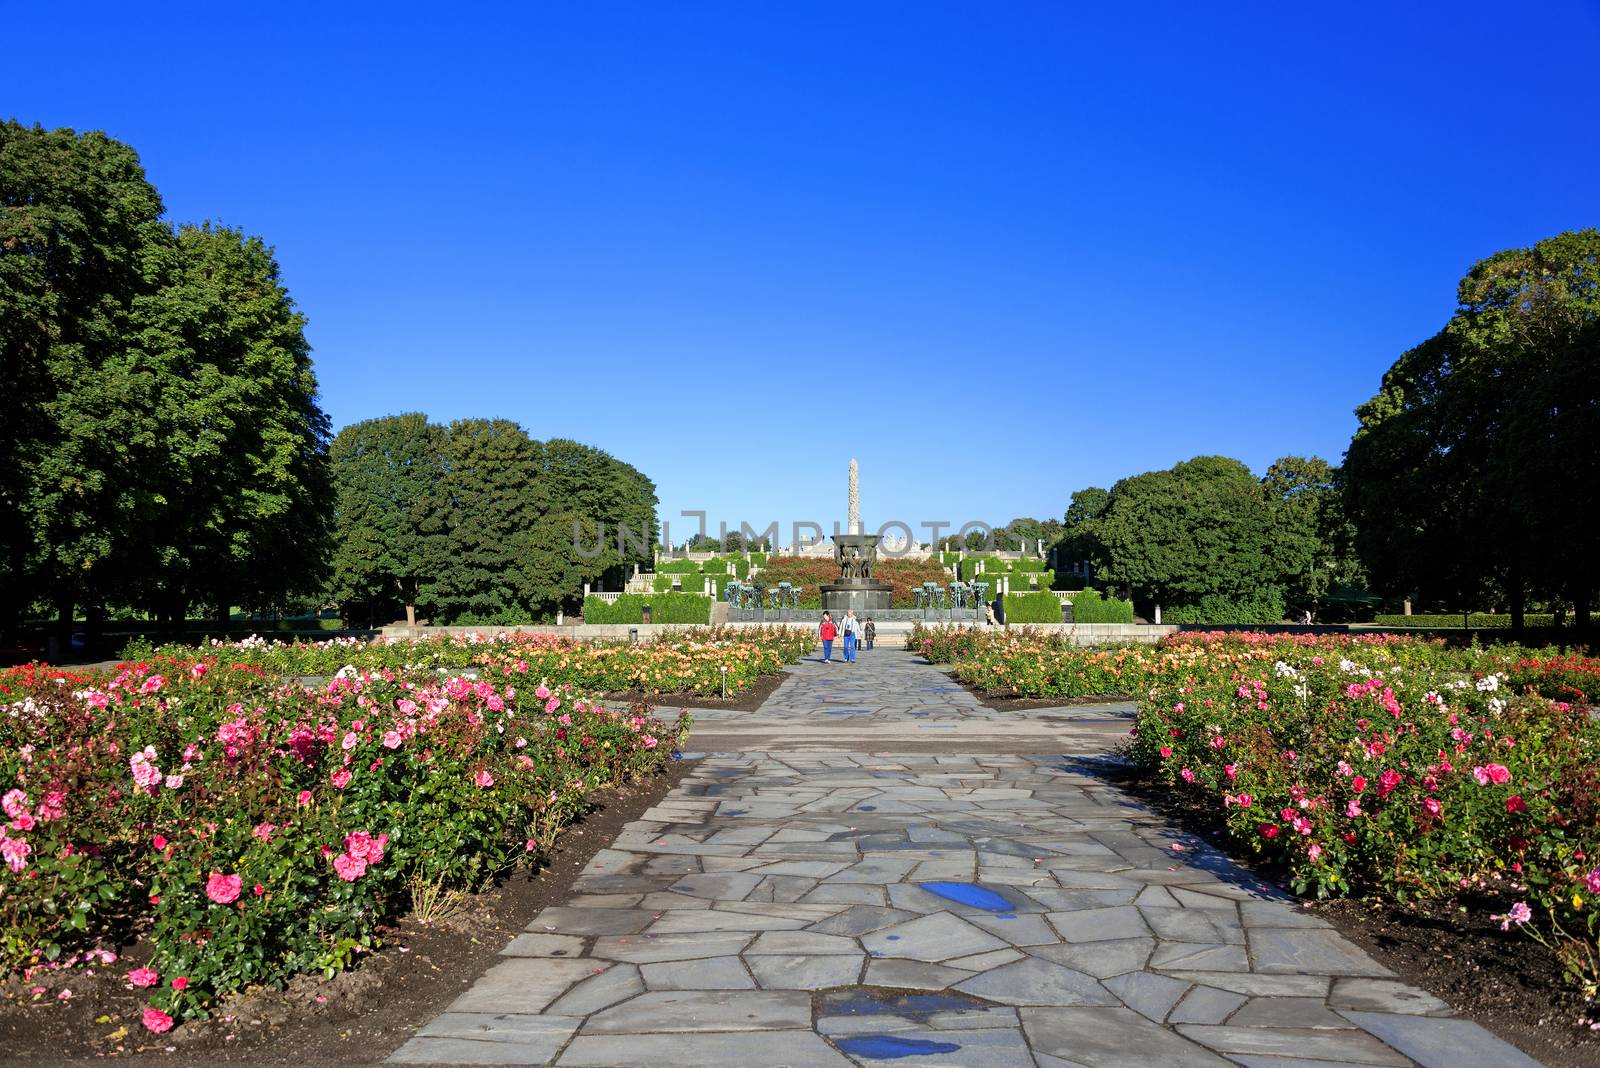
851,630
828,632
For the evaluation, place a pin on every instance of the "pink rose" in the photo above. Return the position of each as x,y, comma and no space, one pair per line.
304,798
143,977
181,983
483,779
157,1021
1592,881
159,842
1432,805
1515,803
1186,775
223,889
15,802
264,831
357,844
349,868
392,739
340,779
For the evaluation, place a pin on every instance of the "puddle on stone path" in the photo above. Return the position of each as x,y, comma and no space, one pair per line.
875,1001
972,894
892,1047
846,711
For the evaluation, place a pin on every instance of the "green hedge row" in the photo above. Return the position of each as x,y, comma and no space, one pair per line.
685,608
1090,606
1032,608
1481,620
1265,607
678,567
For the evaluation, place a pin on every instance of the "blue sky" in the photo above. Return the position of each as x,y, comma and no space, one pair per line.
1030,247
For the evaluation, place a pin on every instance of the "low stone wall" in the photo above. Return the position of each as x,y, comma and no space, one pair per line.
1077,633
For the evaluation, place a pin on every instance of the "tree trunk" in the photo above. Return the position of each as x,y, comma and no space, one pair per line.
411,615
94,628
1580,608
1519,598
60,642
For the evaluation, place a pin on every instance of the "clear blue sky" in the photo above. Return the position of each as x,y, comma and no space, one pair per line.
1033,247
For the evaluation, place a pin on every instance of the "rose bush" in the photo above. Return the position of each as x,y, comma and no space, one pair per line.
1371,764
252,829
679,662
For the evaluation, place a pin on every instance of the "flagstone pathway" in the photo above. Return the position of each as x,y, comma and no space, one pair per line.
921,903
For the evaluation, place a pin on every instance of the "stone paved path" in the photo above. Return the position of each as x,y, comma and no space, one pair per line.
804,907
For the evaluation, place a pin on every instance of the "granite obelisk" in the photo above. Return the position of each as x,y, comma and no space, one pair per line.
855,553
854,523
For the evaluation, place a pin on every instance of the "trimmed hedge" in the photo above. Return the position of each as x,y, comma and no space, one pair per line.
758,559
1090,606
1032,608
1267,607
662,583
678,567
686,608
1481,620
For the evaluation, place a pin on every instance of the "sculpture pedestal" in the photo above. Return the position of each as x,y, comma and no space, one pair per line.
864,596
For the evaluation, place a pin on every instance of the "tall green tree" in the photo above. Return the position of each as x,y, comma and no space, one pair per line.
1474,469
1197,538
1310,530
243,483
479,563
387,476
78,225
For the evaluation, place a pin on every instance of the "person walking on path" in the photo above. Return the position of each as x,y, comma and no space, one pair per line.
828,632
870,631
852,630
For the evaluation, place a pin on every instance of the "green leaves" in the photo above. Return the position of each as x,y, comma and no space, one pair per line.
1477,463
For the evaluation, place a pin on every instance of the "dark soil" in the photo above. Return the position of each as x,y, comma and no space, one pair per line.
1505,981
358,1017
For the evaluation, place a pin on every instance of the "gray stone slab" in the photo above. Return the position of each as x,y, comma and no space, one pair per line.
1259,986
1277,914
642,950
1384,995
668,1011
859,919
788,943
714,919
1148,993
565,920
913,974
1339,1046
1196,925
617,983
799,1049
1436,1042
938,937
486,1038
1205,1005
1309,952
544,945
732,885
1198,956
1285,1012
1112,1038
1099,959
523,984
779,972
713,973
1037,982
1100,925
